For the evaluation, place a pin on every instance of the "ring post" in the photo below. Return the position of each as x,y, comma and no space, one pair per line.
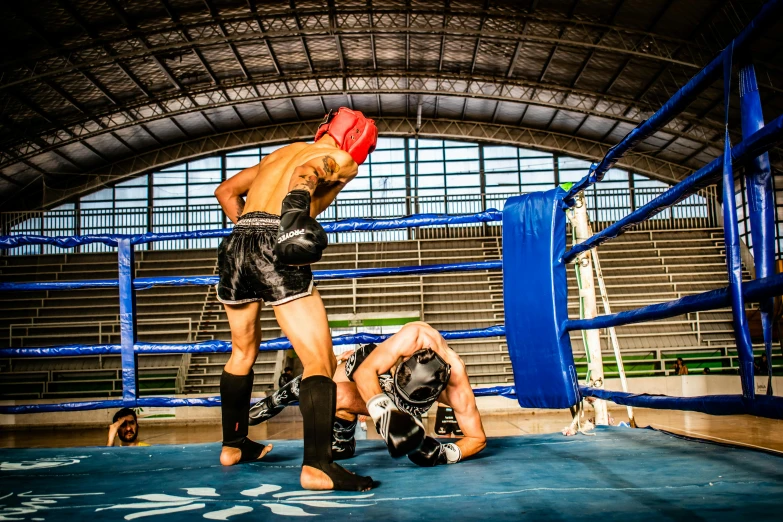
758,177
127,322
732,242
588,305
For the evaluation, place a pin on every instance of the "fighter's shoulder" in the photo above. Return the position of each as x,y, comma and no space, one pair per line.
318,150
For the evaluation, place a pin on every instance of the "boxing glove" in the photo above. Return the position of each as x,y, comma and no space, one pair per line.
270,406
402,433
432,453
301,239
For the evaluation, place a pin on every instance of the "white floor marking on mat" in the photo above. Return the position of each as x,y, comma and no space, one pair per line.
300,493
203,492
291,511
160,497
155,504
263,489
528,490
42,463
155,512
147,505
324,503
223,514
347,497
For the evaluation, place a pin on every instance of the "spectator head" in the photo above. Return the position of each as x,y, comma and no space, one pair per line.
707,371
680,361
288,369
763,357
129,429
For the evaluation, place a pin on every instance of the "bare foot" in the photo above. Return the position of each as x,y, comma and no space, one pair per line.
230,456
316,480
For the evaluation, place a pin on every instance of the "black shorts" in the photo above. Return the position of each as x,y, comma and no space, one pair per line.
249,270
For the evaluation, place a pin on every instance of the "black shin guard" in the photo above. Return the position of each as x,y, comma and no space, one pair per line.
343,439
235,391
317,401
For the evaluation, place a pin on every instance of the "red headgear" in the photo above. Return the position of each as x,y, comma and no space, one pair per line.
353,133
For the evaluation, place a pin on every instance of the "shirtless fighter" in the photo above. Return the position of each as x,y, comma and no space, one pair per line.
429,371
265,260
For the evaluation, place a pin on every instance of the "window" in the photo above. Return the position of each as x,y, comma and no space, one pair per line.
403,176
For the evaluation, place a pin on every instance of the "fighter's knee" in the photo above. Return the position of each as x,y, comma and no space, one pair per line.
319,368
241,361
344,414
343,398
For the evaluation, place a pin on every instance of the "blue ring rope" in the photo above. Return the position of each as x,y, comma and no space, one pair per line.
175,402
343,225
144,283
281,343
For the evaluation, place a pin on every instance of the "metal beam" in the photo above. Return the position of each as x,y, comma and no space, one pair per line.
305,49
254,10
333,29
701,114
9,179
510,90
514,58
209,122
372,36
151,134
239,115
199,56
443,37
114,59
495,112
478,40
141,37
214,13
601,35
552,53
407,35
622,68
44,36
628,60
180,127
34,107
250,36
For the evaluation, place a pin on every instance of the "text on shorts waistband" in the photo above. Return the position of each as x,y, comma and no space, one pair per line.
258,219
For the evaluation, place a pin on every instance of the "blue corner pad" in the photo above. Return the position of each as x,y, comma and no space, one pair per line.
535,295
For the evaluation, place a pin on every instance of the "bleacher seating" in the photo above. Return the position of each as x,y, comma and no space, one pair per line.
640,268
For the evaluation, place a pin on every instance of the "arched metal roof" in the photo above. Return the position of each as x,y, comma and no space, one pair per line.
93,91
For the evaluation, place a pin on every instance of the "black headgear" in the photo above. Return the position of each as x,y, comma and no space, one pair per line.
422,378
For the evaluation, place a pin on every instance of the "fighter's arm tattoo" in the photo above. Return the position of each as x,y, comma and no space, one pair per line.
313,175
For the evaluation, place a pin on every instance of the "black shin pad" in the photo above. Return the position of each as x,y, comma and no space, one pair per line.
317,401
343,439
235,391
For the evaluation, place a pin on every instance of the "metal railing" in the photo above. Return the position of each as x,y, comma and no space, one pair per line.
701,210
106,329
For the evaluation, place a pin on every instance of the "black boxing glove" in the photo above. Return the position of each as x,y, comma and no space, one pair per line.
301,239
402,433
433,453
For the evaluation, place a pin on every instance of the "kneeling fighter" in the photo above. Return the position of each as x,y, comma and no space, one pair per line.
374,382
265,260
